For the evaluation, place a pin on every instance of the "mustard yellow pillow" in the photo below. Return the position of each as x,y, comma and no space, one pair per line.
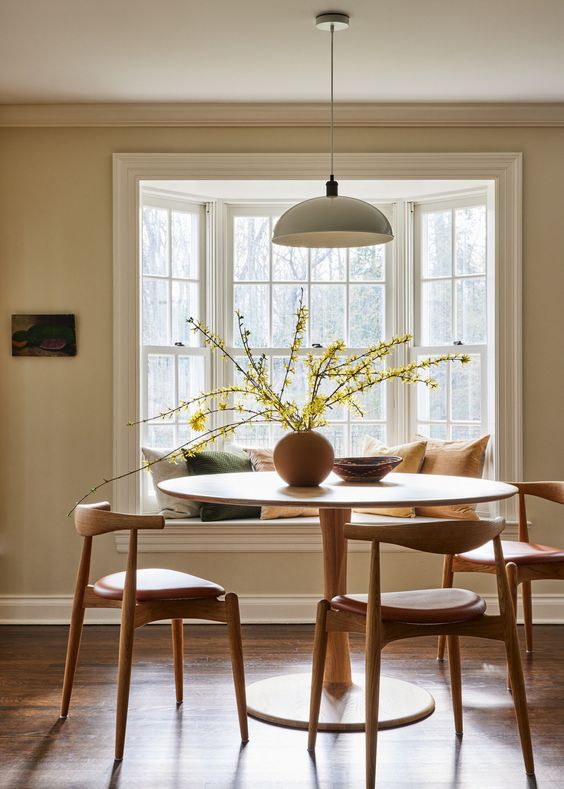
412,454
458,459
261,460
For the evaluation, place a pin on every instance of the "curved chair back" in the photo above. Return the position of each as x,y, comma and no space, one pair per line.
445,537
93,519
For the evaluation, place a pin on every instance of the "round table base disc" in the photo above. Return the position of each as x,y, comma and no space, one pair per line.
285,701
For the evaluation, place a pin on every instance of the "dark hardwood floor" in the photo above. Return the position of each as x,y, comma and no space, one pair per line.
197,745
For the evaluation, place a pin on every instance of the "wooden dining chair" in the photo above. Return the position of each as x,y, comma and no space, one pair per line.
389,616
526,561
146,596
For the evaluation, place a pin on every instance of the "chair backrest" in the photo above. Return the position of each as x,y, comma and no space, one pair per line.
446,537
93,519
550,491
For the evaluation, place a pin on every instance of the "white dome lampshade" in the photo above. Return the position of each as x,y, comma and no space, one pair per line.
331,222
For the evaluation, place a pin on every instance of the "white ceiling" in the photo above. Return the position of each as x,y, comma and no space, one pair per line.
270,50
301,190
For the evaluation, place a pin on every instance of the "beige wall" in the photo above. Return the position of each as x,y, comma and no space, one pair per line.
56,415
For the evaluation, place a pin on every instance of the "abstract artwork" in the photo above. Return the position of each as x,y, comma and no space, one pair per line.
43,335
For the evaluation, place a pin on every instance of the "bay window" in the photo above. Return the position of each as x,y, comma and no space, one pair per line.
438,266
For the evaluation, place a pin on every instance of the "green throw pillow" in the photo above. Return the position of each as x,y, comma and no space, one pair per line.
213,462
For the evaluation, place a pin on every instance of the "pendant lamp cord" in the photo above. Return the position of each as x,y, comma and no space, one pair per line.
332,117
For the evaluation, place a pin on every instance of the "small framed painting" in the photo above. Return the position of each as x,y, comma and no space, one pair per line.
43,335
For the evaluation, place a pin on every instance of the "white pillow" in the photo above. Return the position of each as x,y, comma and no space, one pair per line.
170,506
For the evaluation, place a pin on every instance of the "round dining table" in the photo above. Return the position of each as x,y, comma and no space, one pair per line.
284,700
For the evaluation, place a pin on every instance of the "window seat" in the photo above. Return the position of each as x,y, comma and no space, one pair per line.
252,535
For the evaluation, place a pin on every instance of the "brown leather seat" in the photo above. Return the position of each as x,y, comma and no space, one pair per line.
422,606
156,584
516,552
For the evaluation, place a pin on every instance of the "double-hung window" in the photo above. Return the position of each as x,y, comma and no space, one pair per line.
173,366
346,292
450,297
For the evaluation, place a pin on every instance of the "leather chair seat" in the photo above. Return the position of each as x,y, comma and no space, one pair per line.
156,584
516,552
421,606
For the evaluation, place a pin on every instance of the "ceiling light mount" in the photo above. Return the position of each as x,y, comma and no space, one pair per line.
332,221
339,21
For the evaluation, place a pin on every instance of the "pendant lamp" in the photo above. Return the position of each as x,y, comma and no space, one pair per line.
332,221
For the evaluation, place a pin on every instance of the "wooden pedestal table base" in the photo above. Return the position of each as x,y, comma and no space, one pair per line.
284,701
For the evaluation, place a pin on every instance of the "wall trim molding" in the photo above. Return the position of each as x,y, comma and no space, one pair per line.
548,609
285,114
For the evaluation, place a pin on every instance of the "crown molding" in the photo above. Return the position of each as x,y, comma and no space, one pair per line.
283,114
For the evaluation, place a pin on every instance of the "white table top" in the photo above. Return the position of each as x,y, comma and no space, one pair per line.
395,490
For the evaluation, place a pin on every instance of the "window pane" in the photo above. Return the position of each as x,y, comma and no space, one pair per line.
466,391
184,306
328,265
327,321
360,431
252,436
465,432
297,388
289,263
184,228
437,244
251,236
160,383
373,403
285,300
191,377
432,403
253,302
239,380
366,315
336,435
159,436
155,312
470,224
433,431
471,310
155,241
367,263
436,313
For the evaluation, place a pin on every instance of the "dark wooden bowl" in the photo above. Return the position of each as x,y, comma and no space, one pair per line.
365,469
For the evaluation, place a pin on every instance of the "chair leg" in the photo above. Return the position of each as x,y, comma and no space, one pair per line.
511,572
178,658
528,614
126,633
317,671
455,680
75,634
372,692
238,666
448,577
519,696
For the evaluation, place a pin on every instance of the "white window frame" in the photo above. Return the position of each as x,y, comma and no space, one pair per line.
504,169
484,350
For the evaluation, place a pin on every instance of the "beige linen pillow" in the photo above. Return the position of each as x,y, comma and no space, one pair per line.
454,458
169,506
261,460
412,455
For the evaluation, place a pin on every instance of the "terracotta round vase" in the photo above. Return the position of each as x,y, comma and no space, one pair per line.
303,459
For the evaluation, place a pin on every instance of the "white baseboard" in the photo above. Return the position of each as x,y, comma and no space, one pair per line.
255,609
